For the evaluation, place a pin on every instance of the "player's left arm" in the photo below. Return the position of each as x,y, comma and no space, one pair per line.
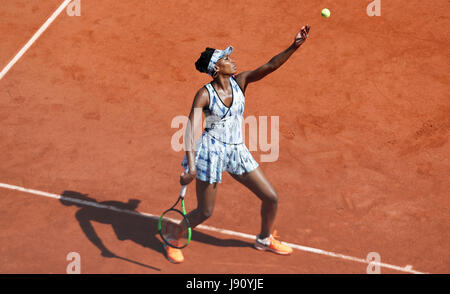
278,60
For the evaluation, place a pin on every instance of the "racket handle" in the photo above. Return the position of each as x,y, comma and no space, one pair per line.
183,191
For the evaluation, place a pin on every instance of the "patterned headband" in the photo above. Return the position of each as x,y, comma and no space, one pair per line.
217,55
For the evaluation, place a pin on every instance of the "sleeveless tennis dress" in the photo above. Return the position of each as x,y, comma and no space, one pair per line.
221,146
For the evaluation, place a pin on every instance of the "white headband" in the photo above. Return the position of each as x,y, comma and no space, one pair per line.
217,55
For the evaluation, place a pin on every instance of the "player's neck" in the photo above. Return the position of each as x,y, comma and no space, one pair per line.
222,82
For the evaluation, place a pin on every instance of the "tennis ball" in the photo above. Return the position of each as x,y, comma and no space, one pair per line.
326,13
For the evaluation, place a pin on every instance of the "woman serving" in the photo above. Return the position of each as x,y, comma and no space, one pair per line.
221,147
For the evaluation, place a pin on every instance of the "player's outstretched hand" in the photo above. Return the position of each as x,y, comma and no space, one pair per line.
302,35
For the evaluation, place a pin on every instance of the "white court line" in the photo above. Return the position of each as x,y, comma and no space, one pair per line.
406,269
34,38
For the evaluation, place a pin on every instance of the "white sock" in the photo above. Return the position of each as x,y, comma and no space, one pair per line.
265,241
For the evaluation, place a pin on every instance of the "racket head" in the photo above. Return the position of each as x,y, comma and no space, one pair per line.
174,228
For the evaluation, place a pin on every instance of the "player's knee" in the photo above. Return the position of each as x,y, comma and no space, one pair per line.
206,213
272,198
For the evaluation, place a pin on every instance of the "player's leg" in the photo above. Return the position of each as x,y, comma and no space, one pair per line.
258,183
206,199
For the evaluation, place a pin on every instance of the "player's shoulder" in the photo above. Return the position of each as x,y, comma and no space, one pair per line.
201,97
241,80
202,92
242,75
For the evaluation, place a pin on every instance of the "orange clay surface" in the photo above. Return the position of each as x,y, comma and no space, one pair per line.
364,115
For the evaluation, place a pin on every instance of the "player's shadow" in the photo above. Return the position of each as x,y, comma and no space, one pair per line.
128,224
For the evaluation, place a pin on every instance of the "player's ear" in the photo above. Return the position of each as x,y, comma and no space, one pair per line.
216,71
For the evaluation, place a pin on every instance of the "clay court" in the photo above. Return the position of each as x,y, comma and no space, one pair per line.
364,121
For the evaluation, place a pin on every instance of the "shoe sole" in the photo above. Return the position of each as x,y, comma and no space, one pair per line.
170,259
265,248
173,261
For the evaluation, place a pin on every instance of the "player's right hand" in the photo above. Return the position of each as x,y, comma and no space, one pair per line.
186,178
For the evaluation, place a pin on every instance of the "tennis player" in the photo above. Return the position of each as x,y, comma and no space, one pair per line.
221,146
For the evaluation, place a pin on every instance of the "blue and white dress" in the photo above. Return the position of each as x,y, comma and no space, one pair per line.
221,146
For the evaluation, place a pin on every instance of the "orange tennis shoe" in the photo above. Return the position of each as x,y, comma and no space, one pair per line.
174,255
272,244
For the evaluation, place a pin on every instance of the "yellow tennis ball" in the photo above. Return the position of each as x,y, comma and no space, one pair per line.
326,12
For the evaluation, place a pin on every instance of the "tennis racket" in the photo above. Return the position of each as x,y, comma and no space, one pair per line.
173,225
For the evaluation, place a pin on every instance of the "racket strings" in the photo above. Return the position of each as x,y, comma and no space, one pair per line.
174,228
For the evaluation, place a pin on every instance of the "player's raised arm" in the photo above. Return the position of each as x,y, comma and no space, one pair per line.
248,77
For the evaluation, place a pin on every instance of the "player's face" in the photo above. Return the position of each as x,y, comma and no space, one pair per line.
227,65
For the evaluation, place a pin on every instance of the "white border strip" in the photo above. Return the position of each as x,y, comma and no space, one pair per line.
406,269
34,38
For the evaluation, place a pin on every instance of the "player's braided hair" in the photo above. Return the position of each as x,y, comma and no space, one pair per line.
203,61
